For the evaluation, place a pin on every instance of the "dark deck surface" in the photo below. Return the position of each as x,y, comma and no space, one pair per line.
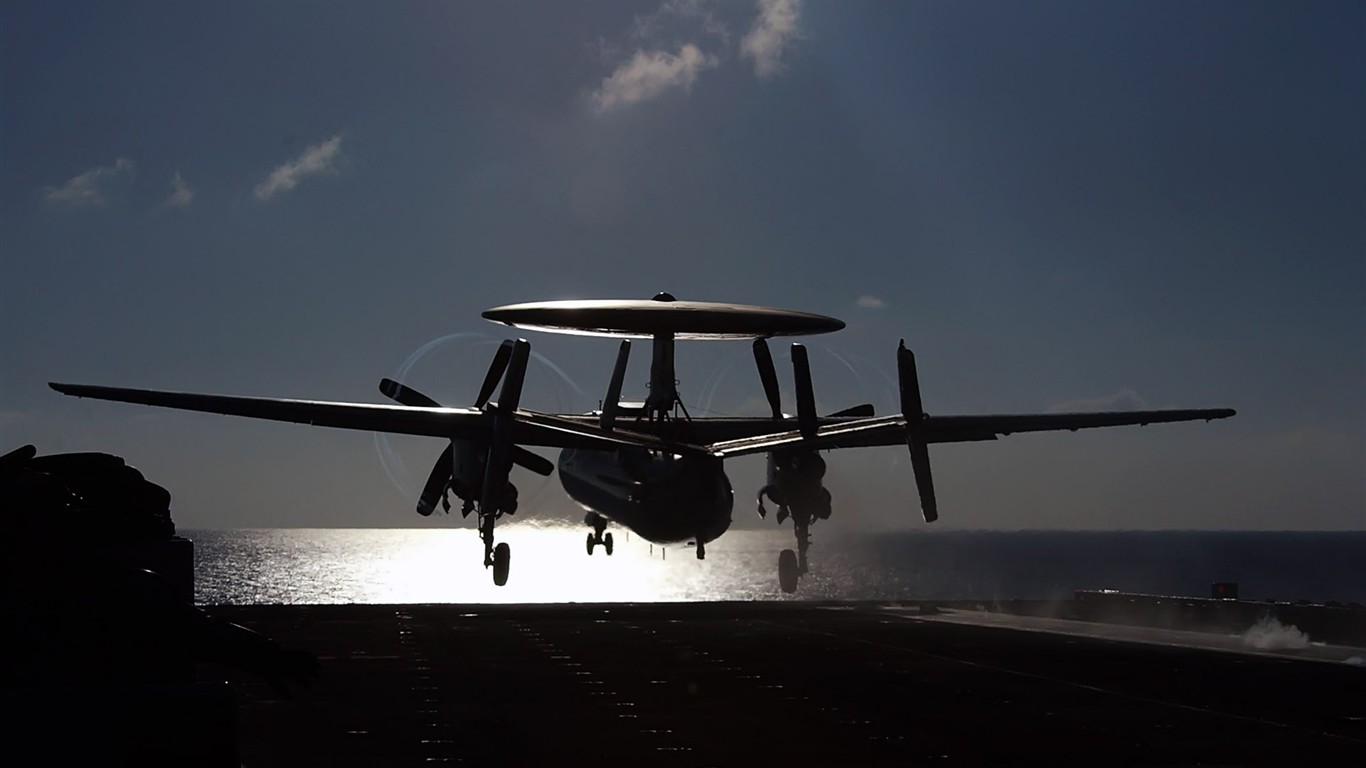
773,684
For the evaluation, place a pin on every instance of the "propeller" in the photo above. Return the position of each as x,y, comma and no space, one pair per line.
764,360
404,395
499,463
496,369
806,395
433,491
914,413
806,399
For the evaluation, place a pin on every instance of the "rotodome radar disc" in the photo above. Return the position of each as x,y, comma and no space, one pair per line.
644,318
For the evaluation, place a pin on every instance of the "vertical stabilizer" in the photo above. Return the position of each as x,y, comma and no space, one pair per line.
913,411
806,396
611,404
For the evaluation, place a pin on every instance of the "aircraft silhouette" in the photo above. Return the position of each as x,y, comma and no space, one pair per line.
648,466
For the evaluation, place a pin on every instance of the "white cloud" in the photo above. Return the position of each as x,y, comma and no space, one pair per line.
1123,400
319,158
870,302
649,74
89,187
181,194
773,31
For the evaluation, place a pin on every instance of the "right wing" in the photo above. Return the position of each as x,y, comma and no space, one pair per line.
891,430
918,429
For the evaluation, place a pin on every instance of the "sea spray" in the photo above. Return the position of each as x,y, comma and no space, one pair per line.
1269,634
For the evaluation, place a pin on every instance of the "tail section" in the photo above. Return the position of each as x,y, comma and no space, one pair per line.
913,411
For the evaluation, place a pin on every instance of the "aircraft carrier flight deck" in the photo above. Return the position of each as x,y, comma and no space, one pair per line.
787,683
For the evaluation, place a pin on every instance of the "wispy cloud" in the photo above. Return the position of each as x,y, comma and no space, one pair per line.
181,194
1123,400
675,16
89,188
319,158
13,419
870,302
773,32
650,73
701,39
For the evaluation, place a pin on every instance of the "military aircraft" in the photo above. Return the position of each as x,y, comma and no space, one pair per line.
648,466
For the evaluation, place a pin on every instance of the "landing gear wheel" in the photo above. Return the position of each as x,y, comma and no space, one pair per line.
592,542
502,560
607,543
787,571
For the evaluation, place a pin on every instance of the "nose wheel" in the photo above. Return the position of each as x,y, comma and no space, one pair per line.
594,541
598,537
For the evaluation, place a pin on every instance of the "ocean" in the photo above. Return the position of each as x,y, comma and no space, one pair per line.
550,565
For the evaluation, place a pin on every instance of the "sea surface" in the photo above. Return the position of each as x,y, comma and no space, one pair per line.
550,565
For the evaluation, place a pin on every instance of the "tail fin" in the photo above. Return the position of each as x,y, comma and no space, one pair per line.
806,397
914,413
612,403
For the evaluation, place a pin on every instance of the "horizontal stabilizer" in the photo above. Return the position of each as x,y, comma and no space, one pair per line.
532,461
863,411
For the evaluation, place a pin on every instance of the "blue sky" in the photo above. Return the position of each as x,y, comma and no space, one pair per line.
1056,204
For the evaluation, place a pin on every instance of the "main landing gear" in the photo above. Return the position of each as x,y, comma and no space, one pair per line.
788,571
498,556
502,560
598,536
792,564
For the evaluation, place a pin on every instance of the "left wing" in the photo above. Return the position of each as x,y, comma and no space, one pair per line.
529,428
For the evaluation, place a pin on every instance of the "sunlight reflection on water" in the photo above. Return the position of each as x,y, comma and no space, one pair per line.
549,565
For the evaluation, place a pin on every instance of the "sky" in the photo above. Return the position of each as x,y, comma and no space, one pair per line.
1058,205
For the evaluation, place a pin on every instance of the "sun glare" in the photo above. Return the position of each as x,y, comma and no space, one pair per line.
549,565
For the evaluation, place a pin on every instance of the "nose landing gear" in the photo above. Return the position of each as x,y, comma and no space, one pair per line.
598,536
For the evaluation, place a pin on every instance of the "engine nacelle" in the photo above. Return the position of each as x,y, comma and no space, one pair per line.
794,484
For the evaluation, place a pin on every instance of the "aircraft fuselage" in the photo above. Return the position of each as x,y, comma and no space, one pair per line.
663,498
